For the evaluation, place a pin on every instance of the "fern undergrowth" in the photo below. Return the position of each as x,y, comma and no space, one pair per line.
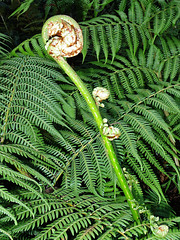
56,179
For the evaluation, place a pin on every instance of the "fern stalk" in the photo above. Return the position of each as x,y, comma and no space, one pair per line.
60,44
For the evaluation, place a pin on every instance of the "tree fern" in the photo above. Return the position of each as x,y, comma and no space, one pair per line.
126,137
49,139
155,119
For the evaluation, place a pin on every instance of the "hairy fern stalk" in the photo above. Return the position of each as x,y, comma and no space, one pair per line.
56,179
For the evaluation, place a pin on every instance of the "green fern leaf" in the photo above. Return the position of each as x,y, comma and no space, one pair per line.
9,197
6,234
171,57
142,127
103,40
96,42
105,34
153,116
128,138
5,44
8,213
85,42
28,103
31,47
128,37
147,175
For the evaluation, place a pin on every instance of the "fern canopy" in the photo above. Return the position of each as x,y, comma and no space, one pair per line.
56,179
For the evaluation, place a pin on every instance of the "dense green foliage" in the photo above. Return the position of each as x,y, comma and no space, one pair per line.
56,179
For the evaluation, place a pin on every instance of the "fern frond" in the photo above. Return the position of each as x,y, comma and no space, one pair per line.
111,24
142,127
89,157
172,234
148,155
14,161
124,76
171,53
70,213
22,8
6,234
8,213
142,230
153,117
128,138
105,32
31,47
147,175
11,198
49,137
170,152
21,180
170,102
29,97
100,169
161,209
159,25
5,44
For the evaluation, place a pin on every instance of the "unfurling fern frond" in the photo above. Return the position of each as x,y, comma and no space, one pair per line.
137,106
105,34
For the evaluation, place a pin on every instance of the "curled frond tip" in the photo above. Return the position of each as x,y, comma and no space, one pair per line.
62,36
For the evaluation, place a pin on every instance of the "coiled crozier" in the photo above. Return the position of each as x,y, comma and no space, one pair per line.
62,36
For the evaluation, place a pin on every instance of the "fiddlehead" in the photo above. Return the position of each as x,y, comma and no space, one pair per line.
58,33
62,36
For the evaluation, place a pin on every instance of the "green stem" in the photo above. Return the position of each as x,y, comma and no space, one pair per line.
110,150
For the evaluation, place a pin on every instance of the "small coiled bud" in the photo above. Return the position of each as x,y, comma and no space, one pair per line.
100,94
62,36
109,131
161,231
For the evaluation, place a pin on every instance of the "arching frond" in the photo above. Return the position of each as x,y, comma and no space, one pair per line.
105,33
6,42
26,95
75,214
31,47
171,55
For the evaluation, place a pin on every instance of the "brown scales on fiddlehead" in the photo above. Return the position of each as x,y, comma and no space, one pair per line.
63,37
